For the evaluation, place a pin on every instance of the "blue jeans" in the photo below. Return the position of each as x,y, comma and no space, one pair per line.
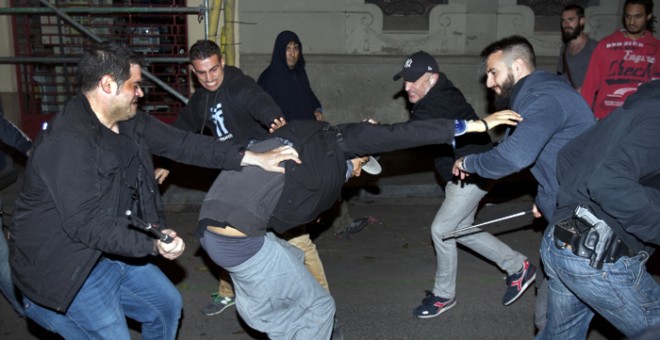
6,285
113,291
457,211
622,292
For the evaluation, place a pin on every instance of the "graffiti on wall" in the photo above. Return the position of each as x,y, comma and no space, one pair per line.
553,7
406,15
547,12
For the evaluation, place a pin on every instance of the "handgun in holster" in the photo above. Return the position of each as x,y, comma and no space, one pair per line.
598,238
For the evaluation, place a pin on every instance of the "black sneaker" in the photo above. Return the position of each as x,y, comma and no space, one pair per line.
517,283
433,305
354,227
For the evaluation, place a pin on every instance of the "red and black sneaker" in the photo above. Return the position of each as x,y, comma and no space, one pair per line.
433,305
517,283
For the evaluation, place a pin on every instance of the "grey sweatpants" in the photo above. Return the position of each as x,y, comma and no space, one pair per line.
277,295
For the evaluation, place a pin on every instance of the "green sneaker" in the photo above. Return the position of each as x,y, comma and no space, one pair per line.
352,228
218,305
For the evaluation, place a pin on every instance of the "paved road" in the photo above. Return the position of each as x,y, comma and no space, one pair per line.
376,276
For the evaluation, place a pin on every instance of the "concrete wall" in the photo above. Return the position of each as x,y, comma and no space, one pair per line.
351,87
461,27
351,59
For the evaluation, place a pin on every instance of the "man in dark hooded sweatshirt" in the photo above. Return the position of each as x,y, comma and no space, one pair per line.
285,79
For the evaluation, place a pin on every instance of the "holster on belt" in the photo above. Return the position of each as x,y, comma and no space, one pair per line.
577,236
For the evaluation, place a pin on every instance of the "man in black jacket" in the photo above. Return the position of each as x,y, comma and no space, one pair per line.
435,96
14,137
79,263
229,103
597,264
275,294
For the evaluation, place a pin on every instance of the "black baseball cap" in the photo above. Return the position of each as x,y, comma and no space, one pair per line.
416,65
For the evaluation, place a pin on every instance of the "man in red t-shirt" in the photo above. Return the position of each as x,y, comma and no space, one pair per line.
623,60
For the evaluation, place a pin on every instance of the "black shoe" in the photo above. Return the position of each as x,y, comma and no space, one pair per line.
354,227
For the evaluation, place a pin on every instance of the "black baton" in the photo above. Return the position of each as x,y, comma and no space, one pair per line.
148,227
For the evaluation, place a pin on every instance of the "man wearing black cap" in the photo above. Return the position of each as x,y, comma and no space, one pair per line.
434,96
275,294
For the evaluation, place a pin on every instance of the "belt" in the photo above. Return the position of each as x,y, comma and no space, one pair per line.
573,235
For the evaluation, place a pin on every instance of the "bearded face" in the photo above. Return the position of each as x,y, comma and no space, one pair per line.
503,96
572,25
500,78
570,33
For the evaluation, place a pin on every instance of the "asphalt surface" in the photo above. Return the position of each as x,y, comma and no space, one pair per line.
376,276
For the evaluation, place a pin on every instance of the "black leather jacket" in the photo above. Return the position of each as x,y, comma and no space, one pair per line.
67,215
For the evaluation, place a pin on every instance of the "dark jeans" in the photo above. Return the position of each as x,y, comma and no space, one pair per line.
112,292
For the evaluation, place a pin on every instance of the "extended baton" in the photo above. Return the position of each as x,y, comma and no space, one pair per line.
460,231
148,227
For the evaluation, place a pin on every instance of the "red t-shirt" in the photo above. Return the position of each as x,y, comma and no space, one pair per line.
617,67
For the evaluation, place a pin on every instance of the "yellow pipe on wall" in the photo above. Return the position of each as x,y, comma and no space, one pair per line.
214,20
228,33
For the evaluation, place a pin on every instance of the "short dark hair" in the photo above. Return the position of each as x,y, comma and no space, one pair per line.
513,47
203,49
106,58
648,8
579,10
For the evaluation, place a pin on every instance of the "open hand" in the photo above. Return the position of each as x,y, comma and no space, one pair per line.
504,117
270,160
